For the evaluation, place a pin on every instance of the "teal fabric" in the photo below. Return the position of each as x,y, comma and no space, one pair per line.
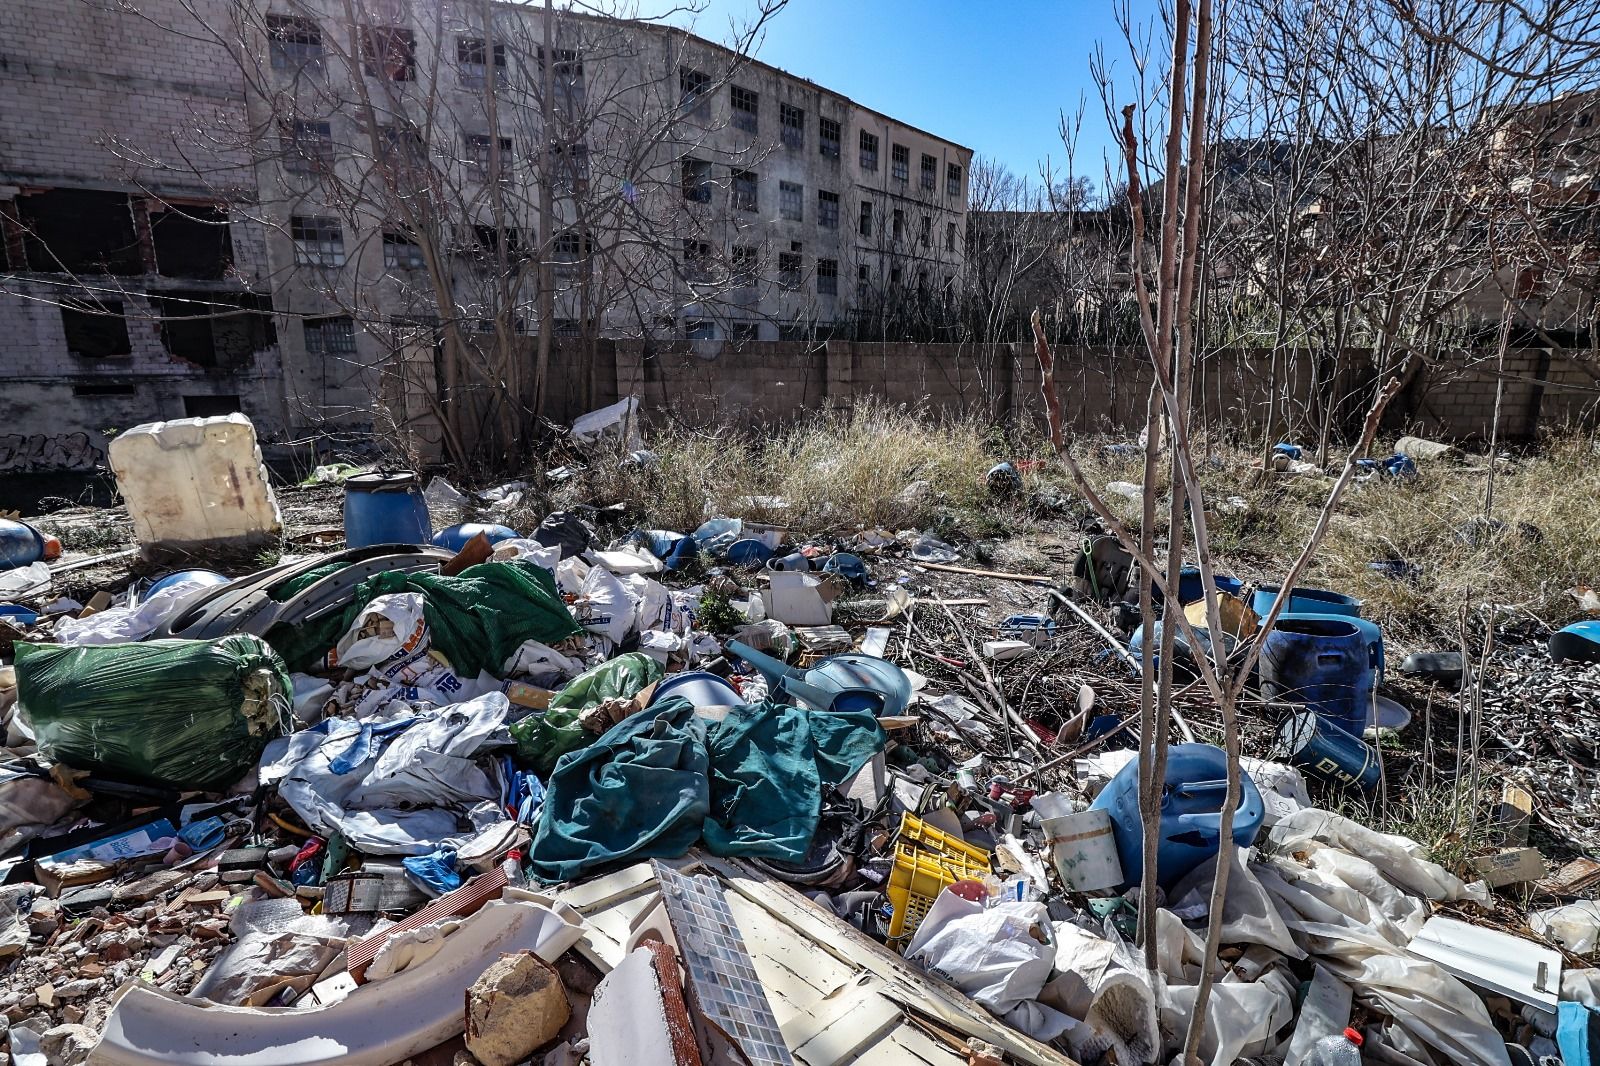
770,765
641,791
1578,1034
662,780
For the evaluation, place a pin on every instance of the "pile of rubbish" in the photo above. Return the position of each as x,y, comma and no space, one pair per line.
497,795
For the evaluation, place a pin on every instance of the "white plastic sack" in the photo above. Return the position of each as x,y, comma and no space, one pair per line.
1241,1019
1103,986
1399,858
619,421
605,606
123,625
391,627
541,665
24,580
530,551
1249,913
1575,926
628,560
442,496
570,575
1001,956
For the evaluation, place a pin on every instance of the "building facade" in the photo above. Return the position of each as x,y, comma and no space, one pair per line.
257,205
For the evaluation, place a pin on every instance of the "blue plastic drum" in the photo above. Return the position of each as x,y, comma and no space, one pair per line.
385,508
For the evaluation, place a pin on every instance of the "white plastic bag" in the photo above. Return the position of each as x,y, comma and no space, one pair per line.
390,627
1575,926
1001,956
1100,984
541,665
605,606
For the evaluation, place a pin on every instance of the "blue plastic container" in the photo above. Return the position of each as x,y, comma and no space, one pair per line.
203,577
1192,588
20,544
1191,820
1371,632
1325,750
700,688
17,615
455,537
385,508
847,682
749,553
1324,663
1306,601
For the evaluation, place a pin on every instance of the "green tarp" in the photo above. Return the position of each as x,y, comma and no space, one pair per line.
477,619
665,778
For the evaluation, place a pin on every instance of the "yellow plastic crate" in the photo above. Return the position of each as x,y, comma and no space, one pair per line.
926,862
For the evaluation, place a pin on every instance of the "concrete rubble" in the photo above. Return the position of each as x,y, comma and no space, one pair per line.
497,802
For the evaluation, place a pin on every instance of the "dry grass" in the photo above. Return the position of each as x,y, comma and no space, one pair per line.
880,466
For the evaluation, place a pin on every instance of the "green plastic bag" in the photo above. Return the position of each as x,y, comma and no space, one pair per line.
543,738
178,713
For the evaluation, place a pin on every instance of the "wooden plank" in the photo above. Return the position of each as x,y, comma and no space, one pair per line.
1001,575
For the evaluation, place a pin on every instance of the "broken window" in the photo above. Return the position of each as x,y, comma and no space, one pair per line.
827,209
901,163
191,242
827,277
790,204
697,180
925,235
333,337
693,86
572,249
570,166
79,231
793,331
318,240
307,146
568,327
864,276
792,126
869,151
105,388
477,147
294,43
828,137
899,224
789,269
696,260
866,218
401,252
389,53
567,78
930,172
218,331
401,146
472,62
699,329
95,329
746,108
744,331
213,406
742,265
949,236
744,191
952,180
487,243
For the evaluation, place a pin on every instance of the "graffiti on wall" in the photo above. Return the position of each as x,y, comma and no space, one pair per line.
48,451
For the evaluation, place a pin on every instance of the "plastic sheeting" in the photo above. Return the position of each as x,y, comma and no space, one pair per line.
400,787
121,625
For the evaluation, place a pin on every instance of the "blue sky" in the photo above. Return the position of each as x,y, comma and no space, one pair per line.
993,75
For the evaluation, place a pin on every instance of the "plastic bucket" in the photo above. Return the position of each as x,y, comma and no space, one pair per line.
1324,750
700,688
385,508
748,553
1306,601
1324,663
1084,850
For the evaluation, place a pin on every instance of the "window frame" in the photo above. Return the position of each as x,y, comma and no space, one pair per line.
824,125
744,107
900,163
828,271
827,209
791,201
477,79
324,231
869,151
744,191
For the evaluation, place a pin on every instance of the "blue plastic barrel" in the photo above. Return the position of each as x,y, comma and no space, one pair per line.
700,688
455,537
748,552
1324,663
20,544
1191,805
1371,632
1306,601
1325,750
385,508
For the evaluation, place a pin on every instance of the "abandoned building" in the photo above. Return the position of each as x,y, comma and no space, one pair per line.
214,205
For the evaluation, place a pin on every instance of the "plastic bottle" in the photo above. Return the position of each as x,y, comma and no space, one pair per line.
1341,1050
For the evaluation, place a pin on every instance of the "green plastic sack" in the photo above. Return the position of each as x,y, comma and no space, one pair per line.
543,738
477,619
178,713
